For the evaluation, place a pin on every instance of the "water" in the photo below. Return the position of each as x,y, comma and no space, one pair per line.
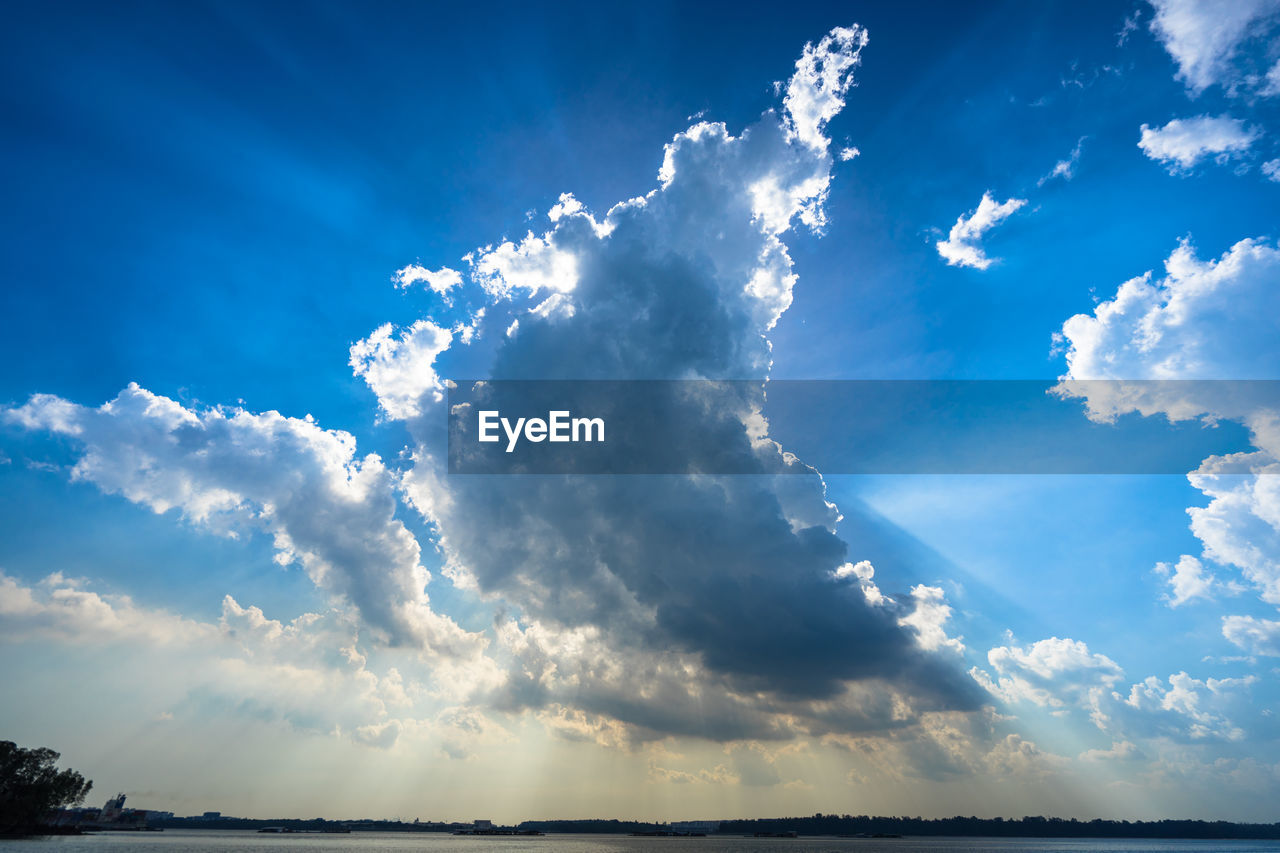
213,841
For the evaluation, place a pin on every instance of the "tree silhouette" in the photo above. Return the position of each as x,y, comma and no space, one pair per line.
31,787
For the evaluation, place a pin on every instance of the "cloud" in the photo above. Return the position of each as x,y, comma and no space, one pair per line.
379,735
865,574
694,606
1054,672
929,619
1188,581
1065,169
62,608
1240,527
232,472
1121,750
947,745
307,674
1064,674
401,368
1204,37
1212,319
463,731
815,93
530,266
1128,28
1205,320
1187,707
963,248
1255,636
1271,83
718,775
440,281
1271,169
1183,142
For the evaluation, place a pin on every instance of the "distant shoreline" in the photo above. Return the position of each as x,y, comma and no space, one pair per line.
815,825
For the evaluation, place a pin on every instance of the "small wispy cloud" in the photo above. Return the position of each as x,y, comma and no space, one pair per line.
1065,169
1128,28
963,248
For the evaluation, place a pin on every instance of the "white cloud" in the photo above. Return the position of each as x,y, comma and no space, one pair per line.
929,619
1187,581
865,574
1055,672
1240,527
1065,169
440,281
1255,636
963,248
62,608
1213,319
1204,36
528,267
1194,707
815,93
1064,674
566,206
1183,142
1271,169
400,369
231,471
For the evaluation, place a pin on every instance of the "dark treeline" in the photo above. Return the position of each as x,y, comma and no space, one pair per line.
317,824
597,826
365,825
1027,827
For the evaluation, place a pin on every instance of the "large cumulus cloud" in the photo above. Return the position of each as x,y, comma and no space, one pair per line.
710,606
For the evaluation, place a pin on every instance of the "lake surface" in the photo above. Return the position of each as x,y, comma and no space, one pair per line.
211,841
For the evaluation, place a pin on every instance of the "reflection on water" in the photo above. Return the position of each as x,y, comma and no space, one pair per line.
212,841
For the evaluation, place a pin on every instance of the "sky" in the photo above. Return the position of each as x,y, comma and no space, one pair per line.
251,248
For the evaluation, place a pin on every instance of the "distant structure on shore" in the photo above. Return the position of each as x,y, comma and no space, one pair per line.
486,827
112,817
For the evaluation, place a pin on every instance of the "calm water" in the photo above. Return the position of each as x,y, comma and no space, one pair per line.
194,841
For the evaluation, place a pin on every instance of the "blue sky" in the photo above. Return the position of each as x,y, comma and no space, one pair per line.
322,212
